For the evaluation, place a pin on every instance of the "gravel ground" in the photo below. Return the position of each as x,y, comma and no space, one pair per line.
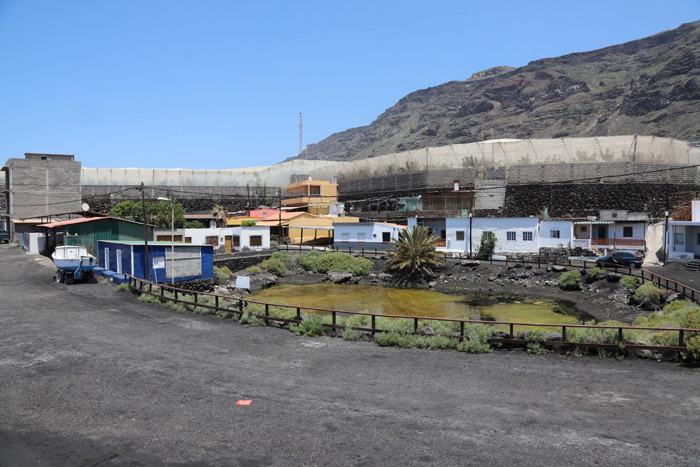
90,376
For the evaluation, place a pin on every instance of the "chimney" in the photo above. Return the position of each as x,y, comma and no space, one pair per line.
456,185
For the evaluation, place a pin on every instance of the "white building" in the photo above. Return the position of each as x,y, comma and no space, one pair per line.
683,240
554,234
513,234
368,235
226,240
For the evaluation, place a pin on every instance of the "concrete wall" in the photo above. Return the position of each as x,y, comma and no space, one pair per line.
42,187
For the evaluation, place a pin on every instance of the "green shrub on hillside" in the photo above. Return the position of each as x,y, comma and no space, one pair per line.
253,270
592,275
335,261
570,280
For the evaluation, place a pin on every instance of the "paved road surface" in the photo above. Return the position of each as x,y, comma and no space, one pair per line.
90,376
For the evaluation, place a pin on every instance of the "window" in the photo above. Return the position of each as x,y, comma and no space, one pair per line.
360,236
584,228
627,232
211,240
256,240
614,215
679,238
510,236
527,236
236,240
460,235
386,236
554,234
345,237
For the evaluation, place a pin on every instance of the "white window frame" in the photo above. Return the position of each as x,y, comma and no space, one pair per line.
526,234
511,236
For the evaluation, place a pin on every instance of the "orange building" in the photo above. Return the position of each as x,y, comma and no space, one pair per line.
313,196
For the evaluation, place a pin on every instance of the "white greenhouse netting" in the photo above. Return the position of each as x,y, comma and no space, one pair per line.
506,153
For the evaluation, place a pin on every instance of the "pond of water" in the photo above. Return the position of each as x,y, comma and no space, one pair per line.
412,302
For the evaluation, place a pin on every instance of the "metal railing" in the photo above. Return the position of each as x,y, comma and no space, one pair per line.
241,305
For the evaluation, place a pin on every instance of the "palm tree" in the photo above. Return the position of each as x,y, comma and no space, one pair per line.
220,213
414,257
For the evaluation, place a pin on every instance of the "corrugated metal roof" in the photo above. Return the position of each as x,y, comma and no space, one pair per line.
73,221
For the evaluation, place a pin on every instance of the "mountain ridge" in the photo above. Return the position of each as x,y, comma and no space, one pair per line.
649,86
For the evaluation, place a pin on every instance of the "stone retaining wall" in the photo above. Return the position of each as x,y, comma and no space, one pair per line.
240,261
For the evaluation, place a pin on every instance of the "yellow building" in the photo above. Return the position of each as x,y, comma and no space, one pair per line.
307,228
315,196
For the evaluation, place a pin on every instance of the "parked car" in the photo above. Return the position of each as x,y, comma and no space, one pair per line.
4,236
633,259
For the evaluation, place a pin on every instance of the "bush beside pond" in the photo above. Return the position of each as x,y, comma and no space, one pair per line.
335,261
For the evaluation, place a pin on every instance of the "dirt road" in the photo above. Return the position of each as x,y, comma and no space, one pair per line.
90,376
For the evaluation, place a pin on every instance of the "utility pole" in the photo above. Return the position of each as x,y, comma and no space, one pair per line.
145,231
279,199
300,146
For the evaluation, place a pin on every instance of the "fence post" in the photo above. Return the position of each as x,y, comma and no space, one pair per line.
619,336
298,315
563,334
216,302
373,325
334,320
240,307
267,313
680,338
461,331
195,297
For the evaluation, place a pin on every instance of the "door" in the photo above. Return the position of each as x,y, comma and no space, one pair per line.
228,240
119,261
107,259
386,237
602,231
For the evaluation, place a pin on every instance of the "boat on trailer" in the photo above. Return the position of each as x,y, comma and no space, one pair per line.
73,262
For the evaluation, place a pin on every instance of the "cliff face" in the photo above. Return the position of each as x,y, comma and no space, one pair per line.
649,86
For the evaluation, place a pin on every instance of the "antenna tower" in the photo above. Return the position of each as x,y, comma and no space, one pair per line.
300,125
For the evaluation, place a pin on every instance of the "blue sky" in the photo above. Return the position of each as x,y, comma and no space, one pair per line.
220,84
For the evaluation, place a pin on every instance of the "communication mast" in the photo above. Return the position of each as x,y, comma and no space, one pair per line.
300,125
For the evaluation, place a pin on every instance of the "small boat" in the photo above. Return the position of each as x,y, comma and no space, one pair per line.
72,262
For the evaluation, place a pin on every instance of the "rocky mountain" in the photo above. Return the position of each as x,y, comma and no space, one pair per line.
649,86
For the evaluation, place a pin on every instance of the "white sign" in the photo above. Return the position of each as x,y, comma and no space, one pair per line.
243,282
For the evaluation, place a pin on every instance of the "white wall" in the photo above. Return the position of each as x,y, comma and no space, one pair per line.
638,230
247,232
353,232
34,242
199,236
565,229
501,226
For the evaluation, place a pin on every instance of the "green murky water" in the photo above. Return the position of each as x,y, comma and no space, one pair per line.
410,302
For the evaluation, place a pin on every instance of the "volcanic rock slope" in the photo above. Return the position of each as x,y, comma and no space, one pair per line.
649,86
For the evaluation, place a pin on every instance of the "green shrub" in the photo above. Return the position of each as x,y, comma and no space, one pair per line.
274,245
487,245
535,339
274,266
248,223
648,293
253,270
224,269
592,275
224,314
476,339
691,355
123,286
335,261
221,275
145,298
630,281
284,257
312,326
569,280
251,320
350,334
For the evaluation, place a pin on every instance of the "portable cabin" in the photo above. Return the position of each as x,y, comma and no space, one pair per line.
367,235
190,262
